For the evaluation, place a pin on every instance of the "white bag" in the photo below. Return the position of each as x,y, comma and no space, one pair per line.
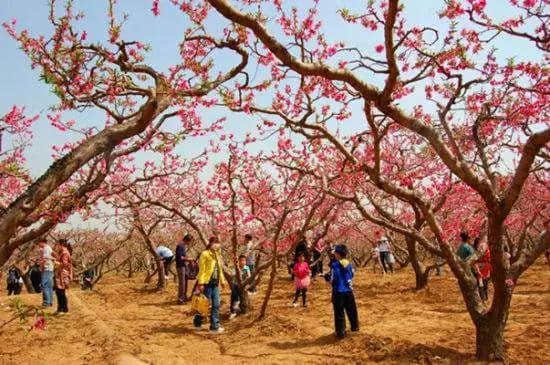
391,258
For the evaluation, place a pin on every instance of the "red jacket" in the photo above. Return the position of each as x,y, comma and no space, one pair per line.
484,264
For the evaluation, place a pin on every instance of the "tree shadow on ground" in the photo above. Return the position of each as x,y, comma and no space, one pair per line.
532,292
147,290
448,310
379,349
165,303
421,352
304,343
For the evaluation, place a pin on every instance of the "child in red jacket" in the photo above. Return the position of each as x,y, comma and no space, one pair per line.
302,274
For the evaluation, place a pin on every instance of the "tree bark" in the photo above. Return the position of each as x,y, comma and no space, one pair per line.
490,337
420,274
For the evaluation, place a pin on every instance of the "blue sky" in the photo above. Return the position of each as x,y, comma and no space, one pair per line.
20,84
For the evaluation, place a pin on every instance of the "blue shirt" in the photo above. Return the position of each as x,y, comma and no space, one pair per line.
181,254
465,251
341,276
245,274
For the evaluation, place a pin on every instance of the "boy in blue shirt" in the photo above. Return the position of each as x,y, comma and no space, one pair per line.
237,295
343,300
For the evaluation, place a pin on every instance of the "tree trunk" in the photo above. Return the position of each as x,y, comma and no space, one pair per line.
490,327
269,290
246,304
490,339
420,274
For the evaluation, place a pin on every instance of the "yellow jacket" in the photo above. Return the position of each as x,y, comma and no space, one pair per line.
207,262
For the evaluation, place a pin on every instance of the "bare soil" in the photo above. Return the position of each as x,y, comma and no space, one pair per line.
123,321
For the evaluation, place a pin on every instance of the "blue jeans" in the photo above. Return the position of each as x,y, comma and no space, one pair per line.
212,292
47,288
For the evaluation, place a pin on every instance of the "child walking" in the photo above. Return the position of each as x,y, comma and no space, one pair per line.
302,274
343,300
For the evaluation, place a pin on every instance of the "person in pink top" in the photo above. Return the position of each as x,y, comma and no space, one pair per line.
302,274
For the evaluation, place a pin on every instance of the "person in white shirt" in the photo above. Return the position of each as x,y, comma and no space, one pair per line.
384,248
46,261
251,256
167,256
375,255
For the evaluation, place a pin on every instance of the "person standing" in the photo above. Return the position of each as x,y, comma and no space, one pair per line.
302,274
63,275
384,251
375,256
181,263
46,267
166,255
36,278
343,299
251,256
210,279
483,269
465,250
88,279
14,281
317,262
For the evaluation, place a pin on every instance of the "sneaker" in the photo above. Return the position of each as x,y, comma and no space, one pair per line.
304,305
294,305
217,331
232,316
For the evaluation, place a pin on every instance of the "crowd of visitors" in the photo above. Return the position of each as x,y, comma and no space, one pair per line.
53,272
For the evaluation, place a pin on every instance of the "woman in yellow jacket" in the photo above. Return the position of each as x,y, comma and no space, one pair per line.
210,279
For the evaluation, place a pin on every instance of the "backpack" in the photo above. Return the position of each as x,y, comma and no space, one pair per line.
192,270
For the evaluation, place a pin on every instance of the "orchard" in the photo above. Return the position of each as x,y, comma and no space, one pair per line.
265,169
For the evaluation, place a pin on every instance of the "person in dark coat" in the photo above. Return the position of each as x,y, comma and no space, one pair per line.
317,262
182,261
88,279
36,278
14,281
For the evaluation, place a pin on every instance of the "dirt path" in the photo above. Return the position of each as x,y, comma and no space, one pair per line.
124,322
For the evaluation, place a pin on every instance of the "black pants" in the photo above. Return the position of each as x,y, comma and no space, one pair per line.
14,289
344,303
87,284
36,281
252,286
484,290
62,304
236,296
385,260
303,292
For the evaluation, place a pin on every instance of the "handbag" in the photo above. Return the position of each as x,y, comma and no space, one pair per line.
391,258
200,304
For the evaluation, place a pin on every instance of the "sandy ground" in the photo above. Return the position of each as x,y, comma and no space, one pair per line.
124,322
